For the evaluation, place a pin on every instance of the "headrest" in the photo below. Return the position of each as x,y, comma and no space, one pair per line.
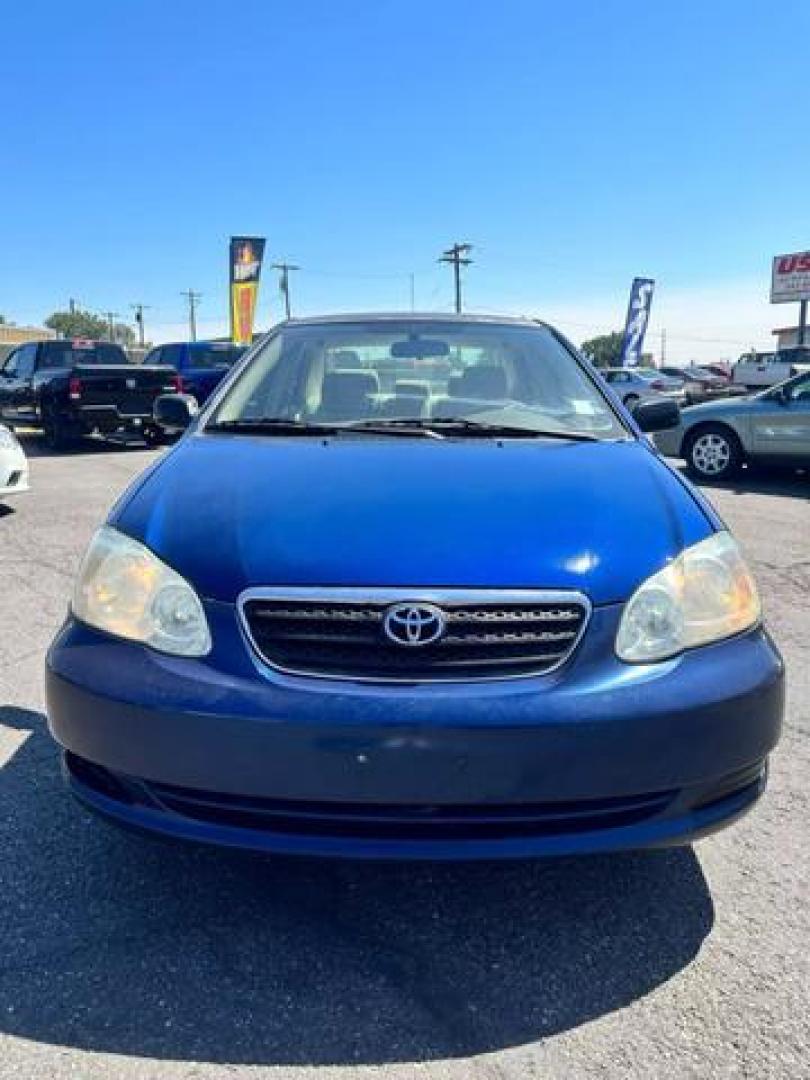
346,388
483,381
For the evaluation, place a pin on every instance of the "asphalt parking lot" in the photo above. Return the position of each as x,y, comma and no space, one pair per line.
125,958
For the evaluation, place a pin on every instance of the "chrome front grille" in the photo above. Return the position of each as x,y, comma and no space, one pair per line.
341,632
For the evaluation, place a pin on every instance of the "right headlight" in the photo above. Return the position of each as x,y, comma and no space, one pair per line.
704,595
126,590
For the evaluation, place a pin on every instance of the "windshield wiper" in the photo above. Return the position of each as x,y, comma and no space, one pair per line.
427,427
452,425
271,425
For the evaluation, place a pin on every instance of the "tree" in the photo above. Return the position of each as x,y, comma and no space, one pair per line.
78,324
605,350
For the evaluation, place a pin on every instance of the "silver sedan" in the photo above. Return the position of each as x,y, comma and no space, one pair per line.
633,385
716,438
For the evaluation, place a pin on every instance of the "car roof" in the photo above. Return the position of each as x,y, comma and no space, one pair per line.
223,343
415,316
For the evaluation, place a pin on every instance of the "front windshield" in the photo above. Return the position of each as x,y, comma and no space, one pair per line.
381,370
215,355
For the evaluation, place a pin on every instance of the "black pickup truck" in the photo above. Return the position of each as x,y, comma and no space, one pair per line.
74,388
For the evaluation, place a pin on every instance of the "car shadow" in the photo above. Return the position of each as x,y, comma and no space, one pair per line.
115,943
760,480
34,445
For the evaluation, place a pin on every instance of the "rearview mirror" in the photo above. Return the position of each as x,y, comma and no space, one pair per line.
418,349
174,412
657,415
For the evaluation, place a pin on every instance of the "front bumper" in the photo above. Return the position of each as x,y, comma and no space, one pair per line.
108,419
13,470
596,756
13,481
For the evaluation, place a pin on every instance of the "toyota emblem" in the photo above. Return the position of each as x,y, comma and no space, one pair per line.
413,624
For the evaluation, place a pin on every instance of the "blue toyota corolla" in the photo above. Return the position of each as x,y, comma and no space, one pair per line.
415,586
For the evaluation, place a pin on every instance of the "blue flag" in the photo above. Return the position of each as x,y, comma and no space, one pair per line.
638,315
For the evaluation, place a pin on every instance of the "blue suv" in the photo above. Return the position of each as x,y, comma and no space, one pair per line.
415,586
201,365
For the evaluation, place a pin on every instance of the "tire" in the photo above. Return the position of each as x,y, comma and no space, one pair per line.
57,435
713,452
154,437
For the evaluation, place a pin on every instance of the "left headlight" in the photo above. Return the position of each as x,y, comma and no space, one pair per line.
126,590
704,595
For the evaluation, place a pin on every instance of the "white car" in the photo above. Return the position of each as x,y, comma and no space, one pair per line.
13,464
635,384
755,371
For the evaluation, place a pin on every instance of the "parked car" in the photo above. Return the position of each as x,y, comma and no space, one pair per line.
75,388
633,385
699,384
772,427
756,370
202,365
484,621
13,465
723,371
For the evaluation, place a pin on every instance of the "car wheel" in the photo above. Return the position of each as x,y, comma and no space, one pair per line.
57,436
713,453
631,401
154,437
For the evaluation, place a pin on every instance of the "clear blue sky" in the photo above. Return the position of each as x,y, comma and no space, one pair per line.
574,144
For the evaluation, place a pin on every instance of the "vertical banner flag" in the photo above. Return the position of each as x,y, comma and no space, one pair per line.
638,315
246,266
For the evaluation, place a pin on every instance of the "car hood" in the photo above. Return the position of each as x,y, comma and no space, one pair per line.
230,512
724,406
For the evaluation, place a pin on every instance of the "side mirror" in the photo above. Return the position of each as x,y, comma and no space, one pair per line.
657,415
174,412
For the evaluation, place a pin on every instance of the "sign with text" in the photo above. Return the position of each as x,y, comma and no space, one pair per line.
638,315
246,255
790,280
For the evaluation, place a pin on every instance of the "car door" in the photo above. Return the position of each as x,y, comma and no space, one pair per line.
25,397
8,382
781,427
18,394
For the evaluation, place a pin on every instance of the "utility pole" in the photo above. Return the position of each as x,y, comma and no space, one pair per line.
663,347
193,299
139,309
802,334
413,291
284,282
111,316
72,304
458,256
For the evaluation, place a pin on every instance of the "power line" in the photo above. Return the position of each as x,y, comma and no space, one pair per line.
457,256
139,310
193,299
284,282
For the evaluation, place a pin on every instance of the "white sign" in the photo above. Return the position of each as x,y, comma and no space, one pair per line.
791,278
